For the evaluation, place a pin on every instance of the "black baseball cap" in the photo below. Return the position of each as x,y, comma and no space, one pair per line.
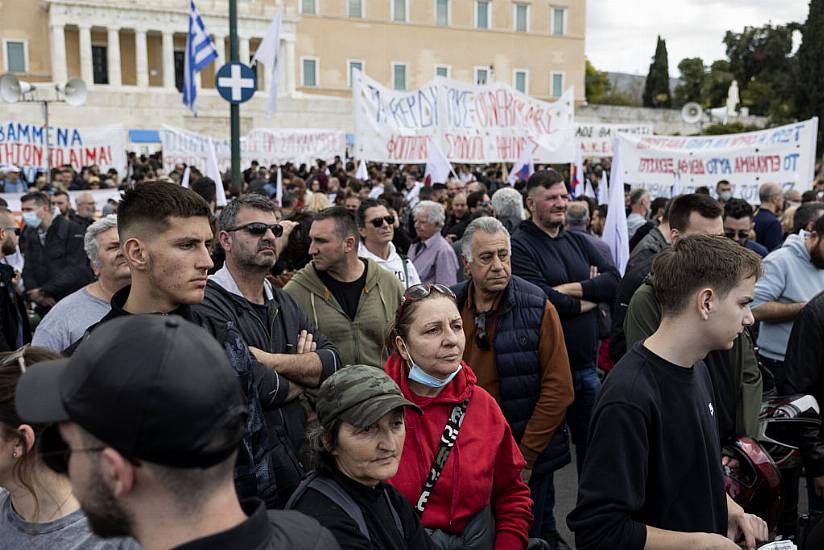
153,387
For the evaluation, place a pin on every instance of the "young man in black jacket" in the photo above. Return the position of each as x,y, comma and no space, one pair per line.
652,478
277,332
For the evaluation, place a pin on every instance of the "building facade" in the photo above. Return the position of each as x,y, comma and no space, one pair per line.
130,54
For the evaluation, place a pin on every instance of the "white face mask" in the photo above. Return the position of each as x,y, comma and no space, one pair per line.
420,376
31,219
725,195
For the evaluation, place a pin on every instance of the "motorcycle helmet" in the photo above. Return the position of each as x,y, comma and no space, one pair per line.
784,422
752,479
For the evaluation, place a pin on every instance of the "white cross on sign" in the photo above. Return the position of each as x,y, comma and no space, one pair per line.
236,83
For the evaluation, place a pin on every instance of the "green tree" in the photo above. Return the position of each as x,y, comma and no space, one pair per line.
717,83
809,92
693,77
599,91
761,63
656,88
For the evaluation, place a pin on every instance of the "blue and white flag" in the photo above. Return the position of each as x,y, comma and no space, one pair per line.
200,52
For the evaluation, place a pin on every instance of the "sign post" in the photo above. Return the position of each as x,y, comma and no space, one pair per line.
234,108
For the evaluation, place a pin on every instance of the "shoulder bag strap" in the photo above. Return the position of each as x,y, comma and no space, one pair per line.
405,272
450,435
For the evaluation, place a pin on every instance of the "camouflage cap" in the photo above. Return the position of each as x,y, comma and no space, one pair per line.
359,395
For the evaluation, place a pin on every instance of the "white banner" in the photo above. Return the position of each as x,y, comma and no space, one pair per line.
783,155
24,146
267,146
471,123
595,140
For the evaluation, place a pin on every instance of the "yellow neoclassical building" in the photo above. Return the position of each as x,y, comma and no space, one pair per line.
130,53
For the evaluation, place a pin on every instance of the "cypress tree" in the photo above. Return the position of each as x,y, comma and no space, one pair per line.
656,87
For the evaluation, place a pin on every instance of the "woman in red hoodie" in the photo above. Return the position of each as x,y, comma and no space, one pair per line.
482,472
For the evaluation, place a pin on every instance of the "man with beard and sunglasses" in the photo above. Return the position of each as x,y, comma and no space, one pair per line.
793,274
14,320
294,355
376,228
515,345
575,277
147,417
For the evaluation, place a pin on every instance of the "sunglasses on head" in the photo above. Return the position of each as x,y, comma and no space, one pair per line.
421,291
378,222
742,233
258,229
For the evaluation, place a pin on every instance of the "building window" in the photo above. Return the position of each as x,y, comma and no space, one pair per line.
399,14
521,17
180,58
309,72
356,9
309,7
442,13
482,14
353,65
100,65
399,76
520,80
442,70
559,21
481,75
16,56
557,84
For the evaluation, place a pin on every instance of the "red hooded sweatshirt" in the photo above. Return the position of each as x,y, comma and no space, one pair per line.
484,466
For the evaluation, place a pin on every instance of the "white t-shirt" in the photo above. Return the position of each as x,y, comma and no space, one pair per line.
393,263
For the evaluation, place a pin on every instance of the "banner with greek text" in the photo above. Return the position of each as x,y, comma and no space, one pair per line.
783,155
471,123
595,140
266,145
24,145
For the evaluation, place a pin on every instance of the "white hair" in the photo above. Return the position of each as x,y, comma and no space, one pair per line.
434,212
508,203
90,239
487,224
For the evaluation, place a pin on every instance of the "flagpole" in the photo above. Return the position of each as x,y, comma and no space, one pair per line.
234,108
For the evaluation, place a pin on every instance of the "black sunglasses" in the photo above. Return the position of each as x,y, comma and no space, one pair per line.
378,222
258,229
742,233
421,291
481,337
56,453
15,229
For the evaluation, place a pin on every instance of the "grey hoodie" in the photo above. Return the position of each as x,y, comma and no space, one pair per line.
789,277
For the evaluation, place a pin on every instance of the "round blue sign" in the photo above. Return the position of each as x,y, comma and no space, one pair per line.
236,82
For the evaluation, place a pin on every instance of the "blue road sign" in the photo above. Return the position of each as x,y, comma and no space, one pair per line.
235,82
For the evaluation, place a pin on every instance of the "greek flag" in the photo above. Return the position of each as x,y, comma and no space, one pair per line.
200,51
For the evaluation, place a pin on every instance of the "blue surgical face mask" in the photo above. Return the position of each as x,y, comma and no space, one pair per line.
31,219
420,376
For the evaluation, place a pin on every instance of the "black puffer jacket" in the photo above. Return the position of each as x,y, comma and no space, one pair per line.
804,363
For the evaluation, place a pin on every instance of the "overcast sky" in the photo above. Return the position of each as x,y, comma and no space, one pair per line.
621,33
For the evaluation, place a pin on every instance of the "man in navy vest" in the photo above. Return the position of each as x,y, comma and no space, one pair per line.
515,345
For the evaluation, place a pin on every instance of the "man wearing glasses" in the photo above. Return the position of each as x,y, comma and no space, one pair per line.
377,229
271,323
14,321
738,223
515,345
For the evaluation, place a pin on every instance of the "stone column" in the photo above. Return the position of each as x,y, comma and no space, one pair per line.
290,67
243,50
142,58
86,71
58,54
113,55
168,59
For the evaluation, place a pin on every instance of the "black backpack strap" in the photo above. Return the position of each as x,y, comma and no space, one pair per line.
395,515
333,491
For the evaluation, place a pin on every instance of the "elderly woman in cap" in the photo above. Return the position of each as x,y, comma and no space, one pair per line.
357,449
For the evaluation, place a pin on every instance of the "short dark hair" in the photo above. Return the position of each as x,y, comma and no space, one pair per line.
475,198
366,205
722,182
809,196
228,215
702,190
150,204
818,226
344,221
542,178
39,197
205,187
60,193
737,209
698,261
636,195
805,214
682,206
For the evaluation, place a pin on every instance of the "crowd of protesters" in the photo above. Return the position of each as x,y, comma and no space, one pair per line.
388,363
